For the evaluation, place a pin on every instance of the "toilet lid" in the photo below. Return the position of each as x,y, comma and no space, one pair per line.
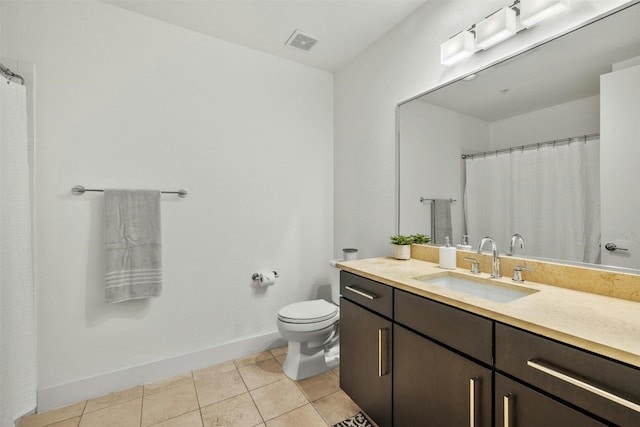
307,311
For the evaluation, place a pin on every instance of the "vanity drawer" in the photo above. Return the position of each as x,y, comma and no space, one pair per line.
461,330
599,385
368,293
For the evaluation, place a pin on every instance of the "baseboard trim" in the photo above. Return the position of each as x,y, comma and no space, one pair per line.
100,385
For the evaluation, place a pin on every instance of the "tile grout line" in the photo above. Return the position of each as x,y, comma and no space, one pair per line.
306,397
304,394
314,407
198,399
318,412
141,404
179,415
196,389
250,395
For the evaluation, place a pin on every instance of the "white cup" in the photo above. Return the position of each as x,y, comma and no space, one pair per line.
349,254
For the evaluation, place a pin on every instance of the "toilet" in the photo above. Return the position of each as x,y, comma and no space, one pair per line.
311,328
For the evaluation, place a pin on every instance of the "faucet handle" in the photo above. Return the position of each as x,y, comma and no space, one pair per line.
475,268
517,273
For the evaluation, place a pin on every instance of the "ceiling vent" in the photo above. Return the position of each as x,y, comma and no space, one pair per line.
301,40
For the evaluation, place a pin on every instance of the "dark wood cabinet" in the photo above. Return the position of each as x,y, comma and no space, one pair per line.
365,347
521,406
466,332
600,386
434,386
368,293
410,361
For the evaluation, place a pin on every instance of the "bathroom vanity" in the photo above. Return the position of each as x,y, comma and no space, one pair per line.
415,354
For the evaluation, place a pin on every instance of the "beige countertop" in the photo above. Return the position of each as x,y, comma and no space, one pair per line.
604,325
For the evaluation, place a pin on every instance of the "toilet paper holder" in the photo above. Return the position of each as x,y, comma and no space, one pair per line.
259,277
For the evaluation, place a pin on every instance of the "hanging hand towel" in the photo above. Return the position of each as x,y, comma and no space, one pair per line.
442,213
132,244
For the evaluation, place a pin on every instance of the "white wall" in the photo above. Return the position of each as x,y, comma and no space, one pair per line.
430,161
576,118
128,101
401,64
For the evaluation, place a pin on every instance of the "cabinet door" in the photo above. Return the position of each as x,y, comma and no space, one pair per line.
365,360
434,386
467,333
518,405
603,387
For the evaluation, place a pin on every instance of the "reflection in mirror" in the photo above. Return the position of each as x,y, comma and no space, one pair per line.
544,144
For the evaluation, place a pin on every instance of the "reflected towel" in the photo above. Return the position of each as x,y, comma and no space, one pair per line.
132,244
442,214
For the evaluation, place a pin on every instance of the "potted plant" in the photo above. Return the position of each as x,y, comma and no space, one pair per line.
420,239
402,246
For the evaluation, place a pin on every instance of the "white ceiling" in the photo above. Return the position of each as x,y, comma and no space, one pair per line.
345,27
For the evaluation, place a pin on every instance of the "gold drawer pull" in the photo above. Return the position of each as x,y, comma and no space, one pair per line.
473,382
383,349
547,369
506,410
361,293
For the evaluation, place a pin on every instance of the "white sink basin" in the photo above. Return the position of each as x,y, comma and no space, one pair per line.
498,292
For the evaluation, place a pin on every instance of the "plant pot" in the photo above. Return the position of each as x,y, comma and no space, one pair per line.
402,251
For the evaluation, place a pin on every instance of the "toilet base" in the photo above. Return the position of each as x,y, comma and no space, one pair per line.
304,362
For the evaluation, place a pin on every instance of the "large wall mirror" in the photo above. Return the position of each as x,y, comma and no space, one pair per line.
545,144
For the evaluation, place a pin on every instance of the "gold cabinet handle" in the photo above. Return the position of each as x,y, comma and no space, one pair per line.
383,349
361,293
506,410
555,372
473,382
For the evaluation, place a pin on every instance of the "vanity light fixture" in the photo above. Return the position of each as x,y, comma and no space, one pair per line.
532,12
457,48
496,28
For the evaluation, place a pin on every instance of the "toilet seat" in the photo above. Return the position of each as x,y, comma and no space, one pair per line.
306,312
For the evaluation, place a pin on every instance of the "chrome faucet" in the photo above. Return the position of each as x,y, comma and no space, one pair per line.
514,239
494,252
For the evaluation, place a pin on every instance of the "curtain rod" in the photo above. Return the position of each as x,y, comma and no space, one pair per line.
536,145
10,75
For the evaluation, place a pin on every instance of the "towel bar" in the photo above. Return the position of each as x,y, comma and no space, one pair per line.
79,190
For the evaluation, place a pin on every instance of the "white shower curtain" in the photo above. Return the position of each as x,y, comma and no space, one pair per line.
550,195
17,299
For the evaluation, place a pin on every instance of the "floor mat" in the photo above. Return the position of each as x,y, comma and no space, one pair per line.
358,420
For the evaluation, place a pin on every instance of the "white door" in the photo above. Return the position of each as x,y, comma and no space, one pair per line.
620,167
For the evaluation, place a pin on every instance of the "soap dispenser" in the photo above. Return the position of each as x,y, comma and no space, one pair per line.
447,255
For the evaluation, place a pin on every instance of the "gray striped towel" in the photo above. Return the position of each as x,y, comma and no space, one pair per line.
132,244
442,210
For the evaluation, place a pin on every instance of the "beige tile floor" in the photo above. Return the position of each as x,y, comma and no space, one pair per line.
249,392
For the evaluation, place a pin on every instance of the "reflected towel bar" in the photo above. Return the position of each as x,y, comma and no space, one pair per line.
79,190
423,199
433,214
